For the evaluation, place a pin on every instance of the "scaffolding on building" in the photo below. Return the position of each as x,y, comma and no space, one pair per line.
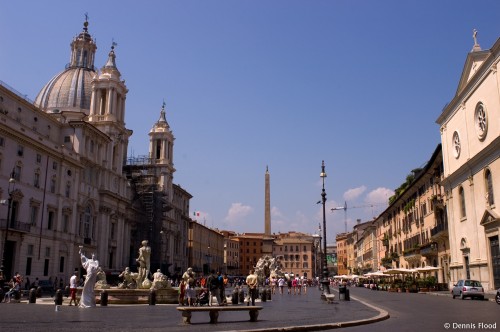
144,178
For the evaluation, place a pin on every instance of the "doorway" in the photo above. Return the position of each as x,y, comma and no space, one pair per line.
495,261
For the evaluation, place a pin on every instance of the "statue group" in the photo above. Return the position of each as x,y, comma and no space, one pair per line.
96,278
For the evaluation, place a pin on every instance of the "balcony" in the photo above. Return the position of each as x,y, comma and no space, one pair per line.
440,231
429,250
412,255
15,226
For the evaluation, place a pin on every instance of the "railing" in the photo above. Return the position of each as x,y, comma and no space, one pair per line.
15,225
23,96
443,227
411,252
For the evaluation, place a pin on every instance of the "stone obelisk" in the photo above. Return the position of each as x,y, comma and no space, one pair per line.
268,240
267,207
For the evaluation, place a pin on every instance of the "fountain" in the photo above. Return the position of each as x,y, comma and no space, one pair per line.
136,287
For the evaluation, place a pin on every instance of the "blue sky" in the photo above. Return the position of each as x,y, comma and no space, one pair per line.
284,84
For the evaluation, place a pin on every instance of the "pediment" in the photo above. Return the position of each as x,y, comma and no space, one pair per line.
472,64
489,217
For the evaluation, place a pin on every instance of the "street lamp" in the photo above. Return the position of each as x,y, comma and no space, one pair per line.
325,281
12,184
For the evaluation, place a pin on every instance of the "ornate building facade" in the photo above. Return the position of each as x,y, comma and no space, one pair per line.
64,180
470,135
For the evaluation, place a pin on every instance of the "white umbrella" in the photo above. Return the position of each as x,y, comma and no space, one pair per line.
428,269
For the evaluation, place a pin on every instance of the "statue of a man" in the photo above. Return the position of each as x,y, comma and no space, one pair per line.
91,266
144,260
128,279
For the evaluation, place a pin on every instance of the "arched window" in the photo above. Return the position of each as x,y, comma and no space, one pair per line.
461,197
490,200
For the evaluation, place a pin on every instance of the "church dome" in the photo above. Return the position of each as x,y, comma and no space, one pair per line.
71,89
67,90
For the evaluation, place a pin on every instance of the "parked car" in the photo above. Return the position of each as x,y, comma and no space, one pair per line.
497,297
468,288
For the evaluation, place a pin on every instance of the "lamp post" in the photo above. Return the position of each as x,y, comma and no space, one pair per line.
12,184
325,281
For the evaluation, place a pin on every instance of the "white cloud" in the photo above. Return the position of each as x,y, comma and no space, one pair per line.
379,196
354,193
237,212
276,213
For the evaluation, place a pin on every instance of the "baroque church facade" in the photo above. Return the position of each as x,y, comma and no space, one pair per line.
66,180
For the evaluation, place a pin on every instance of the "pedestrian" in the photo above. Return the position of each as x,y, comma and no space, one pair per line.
289,285
222,284
72,289
281,284
252,283
182,292
190,281
214,286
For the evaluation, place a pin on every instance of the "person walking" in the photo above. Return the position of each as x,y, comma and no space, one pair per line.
214,286
73,283
281,284
252,283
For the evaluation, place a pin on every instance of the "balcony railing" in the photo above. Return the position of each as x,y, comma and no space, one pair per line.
442,227
15,225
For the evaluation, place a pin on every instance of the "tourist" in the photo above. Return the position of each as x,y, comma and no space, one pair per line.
281,284
252,283
214,286
72,289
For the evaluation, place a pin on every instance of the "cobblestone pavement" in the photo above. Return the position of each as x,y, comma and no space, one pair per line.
294,312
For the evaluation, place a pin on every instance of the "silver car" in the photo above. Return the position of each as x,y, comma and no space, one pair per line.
468,288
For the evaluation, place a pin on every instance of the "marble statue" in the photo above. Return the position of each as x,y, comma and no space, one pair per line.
160,281
91,265
101,282
144,266
267,267
128,279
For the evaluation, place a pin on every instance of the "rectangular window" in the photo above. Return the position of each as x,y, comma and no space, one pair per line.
28,266
54,165
38,158
65,223
17,173
67,139
47,251
33,215
2,141
68,190
20,150
30,249
61,264
50,221
53,186
36,180
46,268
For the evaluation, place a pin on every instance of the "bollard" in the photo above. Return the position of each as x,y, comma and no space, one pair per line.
104,298
39,291
342,290
268,294
263,295
152,297
347,298
58,298
234,296
32,296
242,296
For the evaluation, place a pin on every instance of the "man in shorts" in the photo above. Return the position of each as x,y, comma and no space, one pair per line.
72,288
